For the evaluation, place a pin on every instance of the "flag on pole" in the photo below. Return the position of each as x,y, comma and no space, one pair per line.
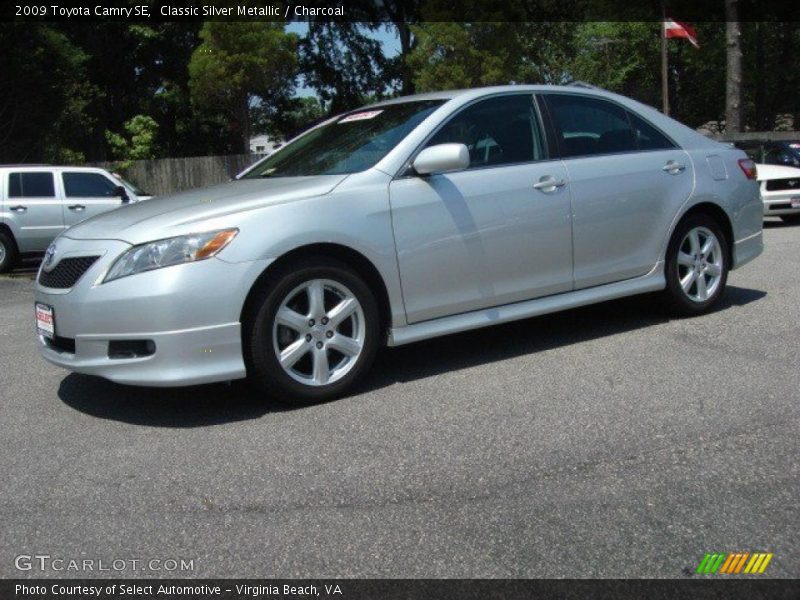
676,29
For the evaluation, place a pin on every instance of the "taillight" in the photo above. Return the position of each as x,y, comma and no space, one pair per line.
748,167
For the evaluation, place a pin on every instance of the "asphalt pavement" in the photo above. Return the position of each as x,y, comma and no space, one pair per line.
608,441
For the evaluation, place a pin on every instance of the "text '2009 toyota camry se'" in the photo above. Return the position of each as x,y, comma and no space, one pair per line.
412,218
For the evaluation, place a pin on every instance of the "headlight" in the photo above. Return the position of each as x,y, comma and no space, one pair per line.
172,251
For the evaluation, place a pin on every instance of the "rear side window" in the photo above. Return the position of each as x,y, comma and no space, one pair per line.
87,185
647,136
590,126
31,185
496,131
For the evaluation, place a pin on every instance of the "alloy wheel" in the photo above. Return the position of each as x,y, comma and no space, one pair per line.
700,264
318,332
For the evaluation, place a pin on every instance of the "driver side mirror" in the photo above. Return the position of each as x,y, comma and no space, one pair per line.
441,158
121,192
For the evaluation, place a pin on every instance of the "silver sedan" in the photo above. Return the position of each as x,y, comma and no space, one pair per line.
412,218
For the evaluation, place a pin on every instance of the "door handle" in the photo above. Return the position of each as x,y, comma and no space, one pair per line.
77,207
548,183
673,168
18,208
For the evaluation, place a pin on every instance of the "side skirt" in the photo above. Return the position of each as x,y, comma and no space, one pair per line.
651,282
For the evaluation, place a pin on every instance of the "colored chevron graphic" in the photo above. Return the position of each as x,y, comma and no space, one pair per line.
734,563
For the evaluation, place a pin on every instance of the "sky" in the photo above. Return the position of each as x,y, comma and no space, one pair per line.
388,39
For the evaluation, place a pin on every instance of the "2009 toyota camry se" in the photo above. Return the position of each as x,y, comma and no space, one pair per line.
412,218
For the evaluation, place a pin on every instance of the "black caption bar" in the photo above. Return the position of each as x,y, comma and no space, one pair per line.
406,589
381,11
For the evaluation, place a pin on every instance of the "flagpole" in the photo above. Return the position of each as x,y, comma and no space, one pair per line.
664,78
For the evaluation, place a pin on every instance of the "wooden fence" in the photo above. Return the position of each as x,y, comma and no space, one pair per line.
166,175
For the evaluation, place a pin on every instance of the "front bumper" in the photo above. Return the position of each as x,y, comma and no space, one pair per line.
780,203
190,312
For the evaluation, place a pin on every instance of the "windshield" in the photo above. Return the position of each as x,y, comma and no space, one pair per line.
352,143
129,185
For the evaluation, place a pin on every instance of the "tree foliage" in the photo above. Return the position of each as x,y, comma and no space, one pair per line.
138,144
206,86
43,110
457,55
239,65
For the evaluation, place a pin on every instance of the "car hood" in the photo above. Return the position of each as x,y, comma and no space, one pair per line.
767,172
178,214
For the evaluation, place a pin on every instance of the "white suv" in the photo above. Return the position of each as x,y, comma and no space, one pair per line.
37,202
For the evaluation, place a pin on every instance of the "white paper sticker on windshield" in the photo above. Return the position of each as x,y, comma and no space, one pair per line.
362,116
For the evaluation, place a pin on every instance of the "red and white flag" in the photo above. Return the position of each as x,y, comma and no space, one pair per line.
676,29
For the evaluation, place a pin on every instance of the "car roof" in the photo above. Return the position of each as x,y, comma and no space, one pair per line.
575,88
40,167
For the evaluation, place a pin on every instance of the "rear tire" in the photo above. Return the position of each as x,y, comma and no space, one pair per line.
697,266
310,332
791,219
8,252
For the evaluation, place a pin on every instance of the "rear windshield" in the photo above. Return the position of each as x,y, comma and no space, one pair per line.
353,142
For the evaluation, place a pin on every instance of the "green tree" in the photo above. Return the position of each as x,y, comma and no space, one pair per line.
342,64
455,55
240,65
624,57
43,112
140,143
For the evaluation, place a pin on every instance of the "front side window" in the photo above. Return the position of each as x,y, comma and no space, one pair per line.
31,185
352,143
497,131
590,126
88,185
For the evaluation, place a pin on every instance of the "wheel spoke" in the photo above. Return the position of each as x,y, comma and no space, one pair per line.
316,300
694,241
688,280
292,319
685,259
346,345
708,247
292,353
321,368
713,270
342,311
702,289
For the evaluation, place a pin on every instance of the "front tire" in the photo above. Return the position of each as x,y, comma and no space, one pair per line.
8,252
697,266
311,331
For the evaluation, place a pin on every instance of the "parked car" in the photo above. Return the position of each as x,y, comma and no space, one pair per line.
38,202
782,153
412,218
780,192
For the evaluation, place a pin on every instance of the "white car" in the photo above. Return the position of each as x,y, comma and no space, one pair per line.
780,192
38,202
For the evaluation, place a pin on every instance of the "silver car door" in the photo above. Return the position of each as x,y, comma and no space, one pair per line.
495,233
33,206
87,194
627,182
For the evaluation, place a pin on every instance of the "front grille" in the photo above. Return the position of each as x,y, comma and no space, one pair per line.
775,185
61,344
67,272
